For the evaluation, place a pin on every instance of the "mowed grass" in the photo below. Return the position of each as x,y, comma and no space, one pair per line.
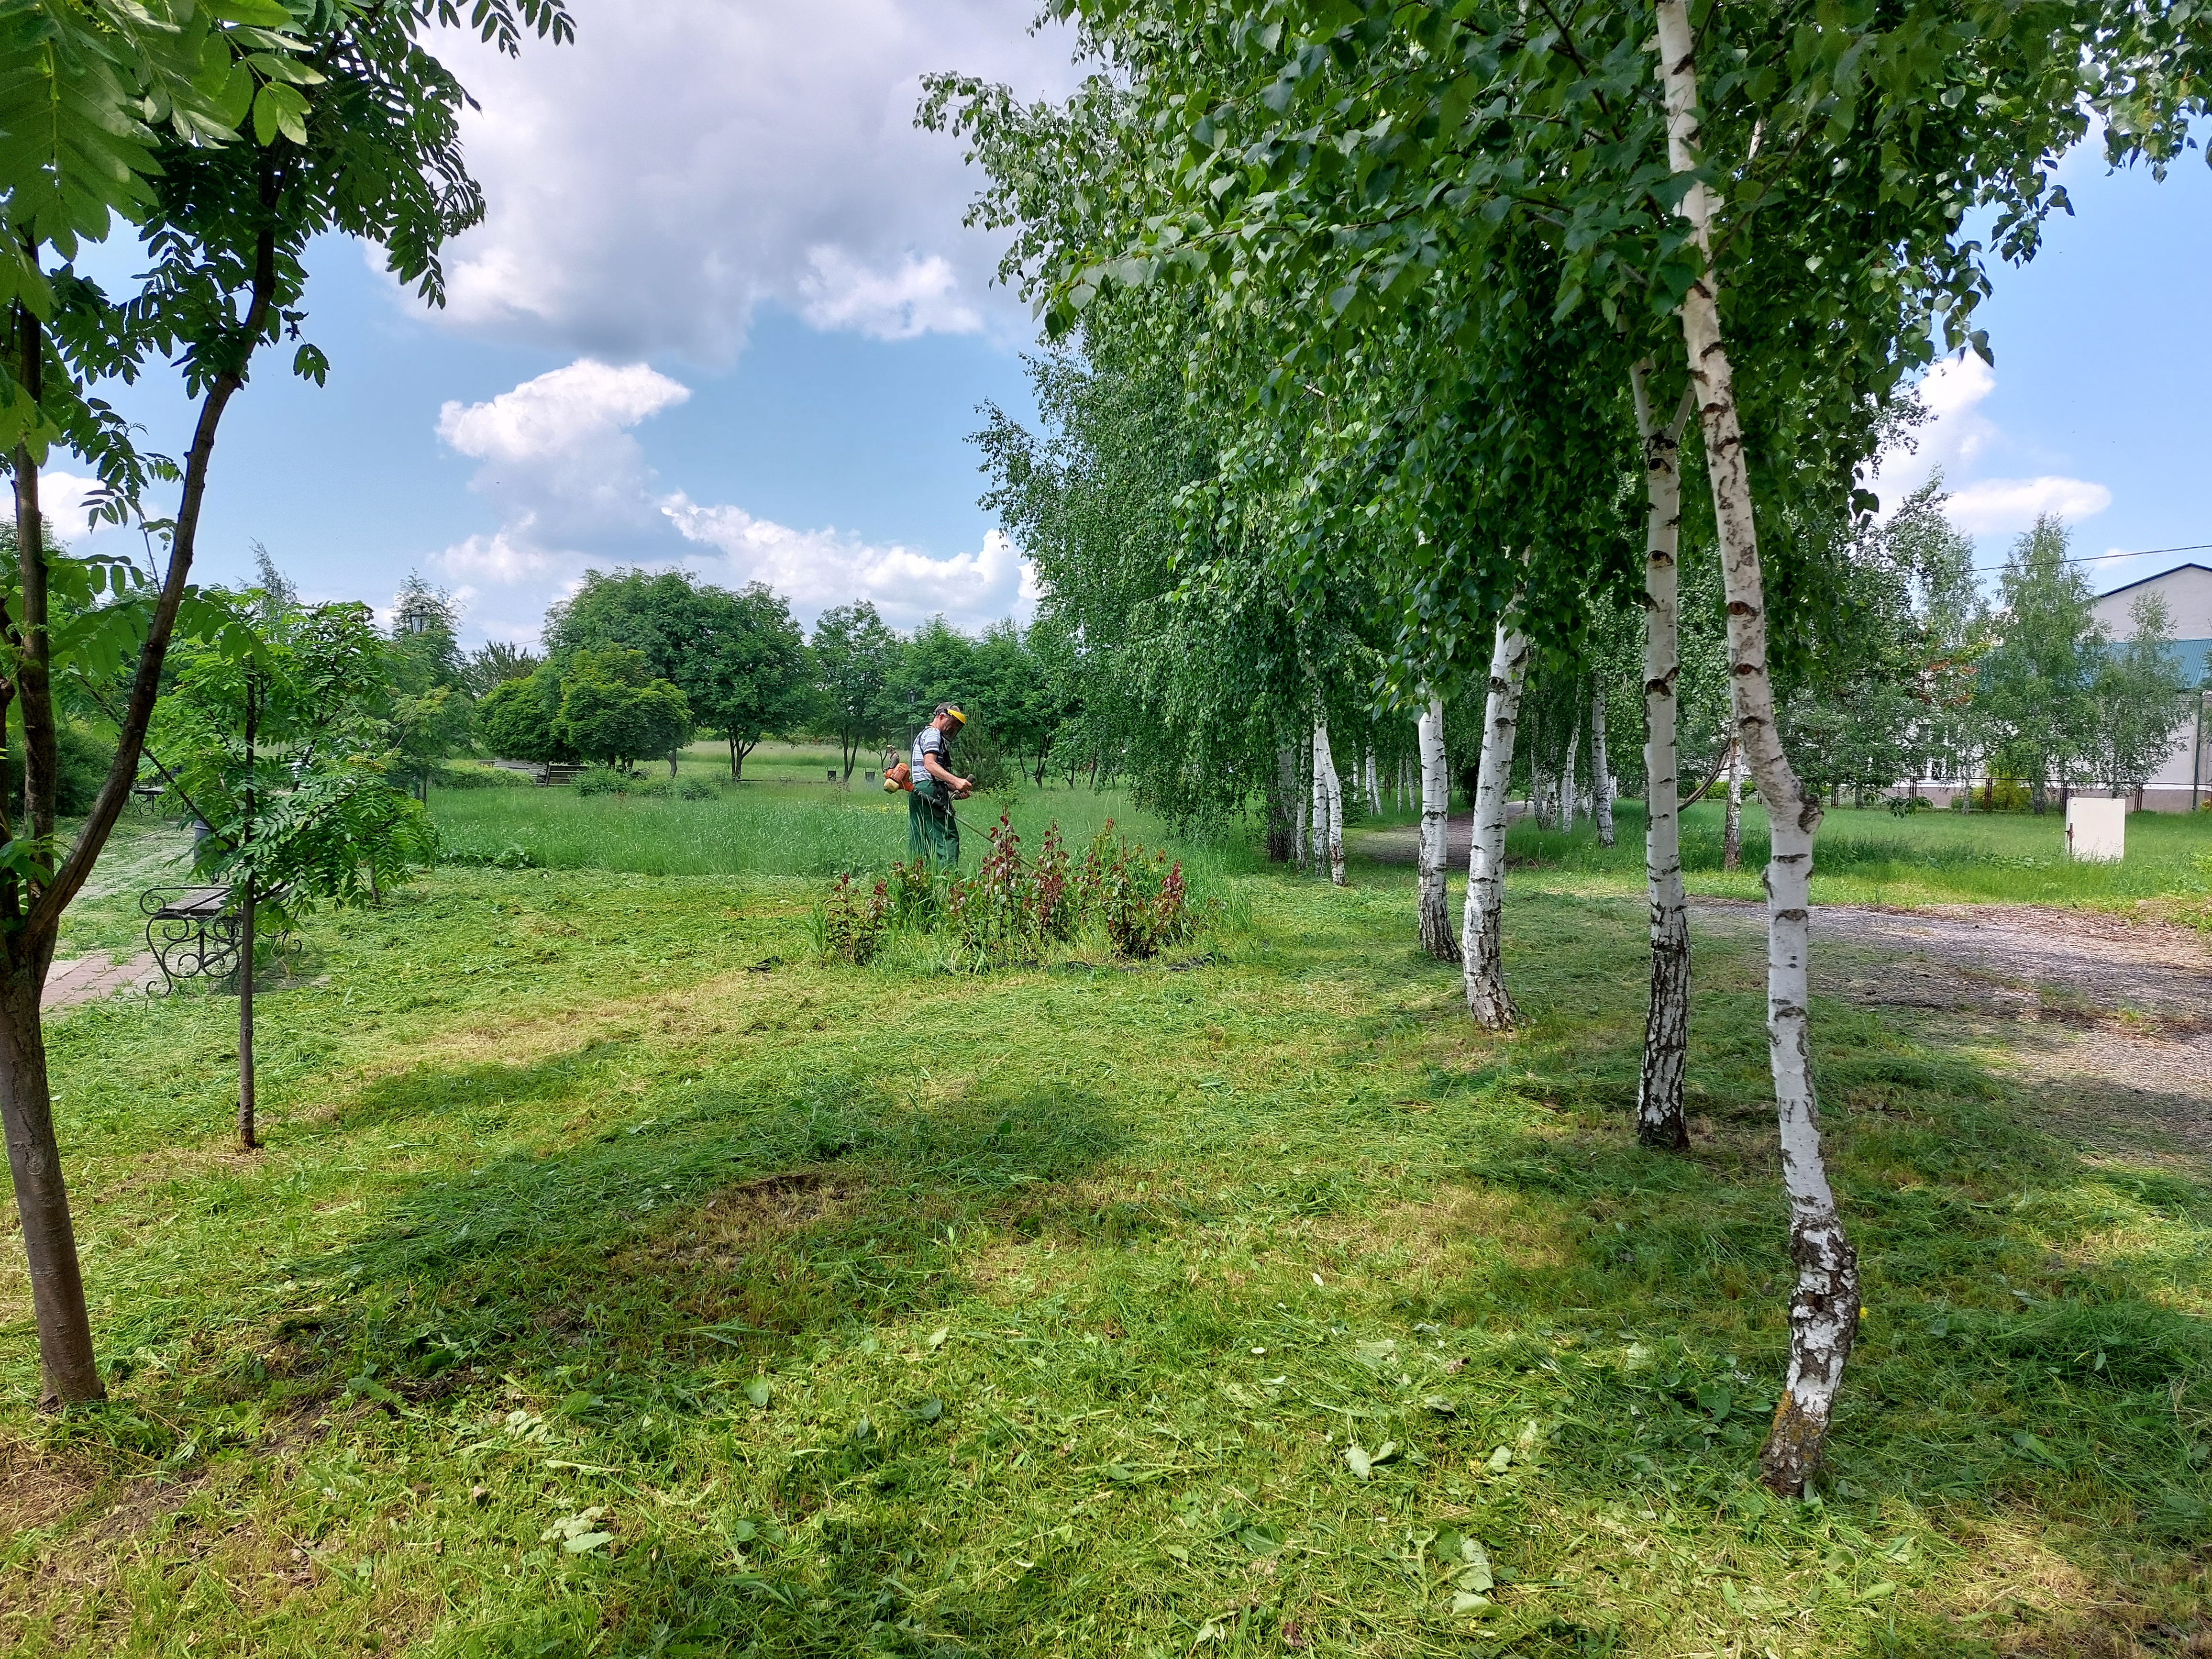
834,1311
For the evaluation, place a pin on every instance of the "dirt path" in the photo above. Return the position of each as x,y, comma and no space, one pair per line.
2113,1019
1403,844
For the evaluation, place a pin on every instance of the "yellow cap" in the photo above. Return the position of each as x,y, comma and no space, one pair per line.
958,719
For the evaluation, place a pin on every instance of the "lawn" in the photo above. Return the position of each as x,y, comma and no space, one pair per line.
618,1279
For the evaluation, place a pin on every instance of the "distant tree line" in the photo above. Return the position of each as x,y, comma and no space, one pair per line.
636,663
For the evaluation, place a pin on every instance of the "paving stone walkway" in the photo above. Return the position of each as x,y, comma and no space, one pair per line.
87,979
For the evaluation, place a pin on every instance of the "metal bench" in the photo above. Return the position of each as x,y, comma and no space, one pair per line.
193,933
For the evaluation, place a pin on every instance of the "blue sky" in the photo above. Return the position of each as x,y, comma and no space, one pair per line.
723,312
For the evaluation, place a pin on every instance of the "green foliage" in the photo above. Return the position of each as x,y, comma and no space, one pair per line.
739,658
271,735
857,657
519,721
847,923
614,711
1015,909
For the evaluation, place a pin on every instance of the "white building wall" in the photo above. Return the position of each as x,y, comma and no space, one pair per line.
2185,780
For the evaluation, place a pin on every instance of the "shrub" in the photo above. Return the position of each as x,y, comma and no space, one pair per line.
1904,806
513,856
1142,901
847,923
603,781
697,789
1013,907
651,788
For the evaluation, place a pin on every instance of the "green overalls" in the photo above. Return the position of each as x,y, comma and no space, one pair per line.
932,831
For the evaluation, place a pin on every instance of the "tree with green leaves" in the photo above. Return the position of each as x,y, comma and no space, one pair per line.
1328,165
353,131
739,658
2036,685
273,735
520,720
857,664
494,664
615,711
432,715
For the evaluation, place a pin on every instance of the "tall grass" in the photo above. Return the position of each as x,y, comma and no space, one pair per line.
810,829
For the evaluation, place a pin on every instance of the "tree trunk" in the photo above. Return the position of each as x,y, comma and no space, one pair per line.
1374,790
1600,768
34,1160
1568,789
1732,825
1328,806
247,915
1283,808
1659,1117
736,762
1482,958
1436,819
1824,1310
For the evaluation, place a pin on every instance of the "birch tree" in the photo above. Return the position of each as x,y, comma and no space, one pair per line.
1328,806
1659,1117
1482,918
1436,823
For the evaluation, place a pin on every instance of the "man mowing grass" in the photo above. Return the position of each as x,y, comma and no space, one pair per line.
933,830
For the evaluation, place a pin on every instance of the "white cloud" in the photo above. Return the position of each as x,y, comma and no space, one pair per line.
1958,438
496,558
686,161
2011,504
818,568
920,297
561,464
573,486
558,413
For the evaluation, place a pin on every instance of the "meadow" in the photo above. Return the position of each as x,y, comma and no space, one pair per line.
620,1280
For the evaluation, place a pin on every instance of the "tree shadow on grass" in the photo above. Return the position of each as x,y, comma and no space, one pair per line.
2022,1372
738,1221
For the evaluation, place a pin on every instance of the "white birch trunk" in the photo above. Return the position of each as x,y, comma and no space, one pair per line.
1732,825
1570,790
1659,1117
1374,789
1306,788
1328,806
1436,818
1481,959
1824,1309
1601,767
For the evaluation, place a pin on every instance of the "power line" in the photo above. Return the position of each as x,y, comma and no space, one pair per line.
2092,558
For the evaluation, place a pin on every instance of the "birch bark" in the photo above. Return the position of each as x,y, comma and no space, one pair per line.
1824,1308
1481,960
1600,768
1436,818
1570,790
1304,813
1328,806
1374,789
1659,1118
1732,825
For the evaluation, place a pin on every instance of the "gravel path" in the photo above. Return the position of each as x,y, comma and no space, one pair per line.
2112,1021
